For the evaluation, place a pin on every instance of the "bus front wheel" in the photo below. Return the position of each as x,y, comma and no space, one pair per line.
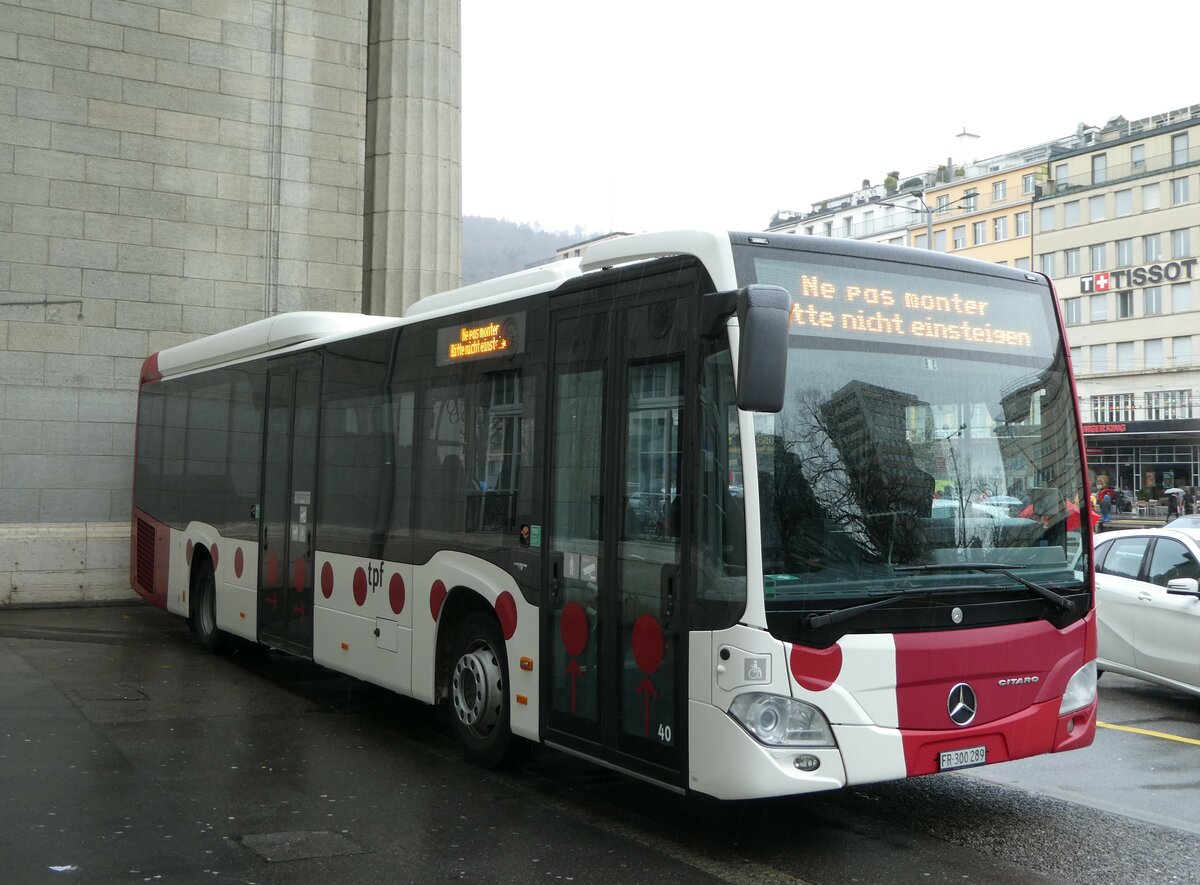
204,611
479,691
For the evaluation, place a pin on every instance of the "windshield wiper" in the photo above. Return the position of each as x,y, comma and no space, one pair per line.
815,622
1056,599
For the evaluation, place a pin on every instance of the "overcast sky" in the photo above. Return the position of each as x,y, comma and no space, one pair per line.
640,114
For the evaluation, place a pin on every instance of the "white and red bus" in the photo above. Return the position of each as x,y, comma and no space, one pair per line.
740,514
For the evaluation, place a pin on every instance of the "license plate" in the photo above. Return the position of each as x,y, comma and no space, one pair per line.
964,758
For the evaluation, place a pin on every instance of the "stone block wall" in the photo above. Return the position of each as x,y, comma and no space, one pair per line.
168,168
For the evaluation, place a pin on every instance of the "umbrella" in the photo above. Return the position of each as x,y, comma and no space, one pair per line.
1173,491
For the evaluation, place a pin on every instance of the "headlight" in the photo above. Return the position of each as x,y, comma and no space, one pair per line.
782,722
1081,690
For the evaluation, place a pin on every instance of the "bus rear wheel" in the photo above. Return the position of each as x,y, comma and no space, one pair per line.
204,609
479,691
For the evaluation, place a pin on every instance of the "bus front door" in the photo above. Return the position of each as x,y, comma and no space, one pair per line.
285,595
614,622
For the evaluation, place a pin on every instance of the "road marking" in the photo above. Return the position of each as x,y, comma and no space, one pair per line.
1149,733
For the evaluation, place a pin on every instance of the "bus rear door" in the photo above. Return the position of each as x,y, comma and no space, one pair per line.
285,595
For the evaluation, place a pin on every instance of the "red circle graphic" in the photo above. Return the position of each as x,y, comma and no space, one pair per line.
647,644
327,580
573,628
216,556
506,611
396,593
360,586
437,596
187,553
239,562
816,668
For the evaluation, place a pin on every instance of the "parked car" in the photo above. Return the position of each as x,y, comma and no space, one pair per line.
1148,605
1185,522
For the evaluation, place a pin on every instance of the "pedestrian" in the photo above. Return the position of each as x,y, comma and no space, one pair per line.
1189,500
1106,502
1172,506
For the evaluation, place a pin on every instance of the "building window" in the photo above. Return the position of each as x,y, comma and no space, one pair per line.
1099,357
1181,351
1137,157
979,232
1124,202
970,200
1152,248
1072,262
1077,360
1022,219
1124,305
1060,174
1112,407
1073,311
999,191
1046,218
1099,257
1048,264
1000,228
847,226
1022,263
1028,183
1124,253
829,228
1095,208
1179,149
1098,307
1151,197
1166,405
922,241
939,240
1181,243
943,202
1152,301
1152,351
1099,168
1179,191
1124,356
1181,297
1071,214
960,237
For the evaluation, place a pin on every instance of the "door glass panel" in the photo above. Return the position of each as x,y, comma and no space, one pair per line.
301,513
649,550
272,618
576,542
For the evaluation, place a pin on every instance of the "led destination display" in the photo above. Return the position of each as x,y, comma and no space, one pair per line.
499,337
1001,315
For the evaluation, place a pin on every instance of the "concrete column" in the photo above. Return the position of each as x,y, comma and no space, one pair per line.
412,223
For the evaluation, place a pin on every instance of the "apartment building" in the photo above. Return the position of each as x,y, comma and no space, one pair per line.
1112,215
1116,228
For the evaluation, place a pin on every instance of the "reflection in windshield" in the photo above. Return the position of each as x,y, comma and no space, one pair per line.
888,455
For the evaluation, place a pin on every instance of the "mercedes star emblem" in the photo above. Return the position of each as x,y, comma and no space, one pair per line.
961,704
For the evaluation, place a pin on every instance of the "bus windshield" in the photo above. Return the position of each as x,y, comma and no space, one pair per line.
929,421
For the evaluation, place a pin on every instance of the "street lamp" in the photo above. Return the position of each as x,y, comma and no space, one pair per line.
928,213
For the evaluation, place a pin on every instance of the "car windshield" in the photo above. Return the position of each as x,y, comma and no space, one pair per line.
928,421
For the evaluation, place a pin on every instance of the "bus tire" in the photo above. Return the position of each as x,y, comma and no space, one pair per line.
479,705
204,611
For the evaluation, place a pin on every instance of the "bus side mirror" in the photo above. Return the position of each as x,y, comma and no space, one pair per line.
763,313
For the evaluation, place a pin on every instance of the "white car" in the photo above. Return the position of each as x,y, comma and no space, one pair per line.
1148,605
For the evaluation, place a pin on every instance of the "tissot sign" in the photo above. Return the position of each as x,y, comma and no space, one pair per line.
1147,275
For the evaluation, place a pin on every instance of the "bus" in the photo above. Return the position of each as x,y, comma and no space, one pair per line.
732,513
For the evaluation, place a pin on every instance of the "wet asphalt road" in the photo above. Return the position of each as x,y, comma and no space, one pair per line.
129,755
